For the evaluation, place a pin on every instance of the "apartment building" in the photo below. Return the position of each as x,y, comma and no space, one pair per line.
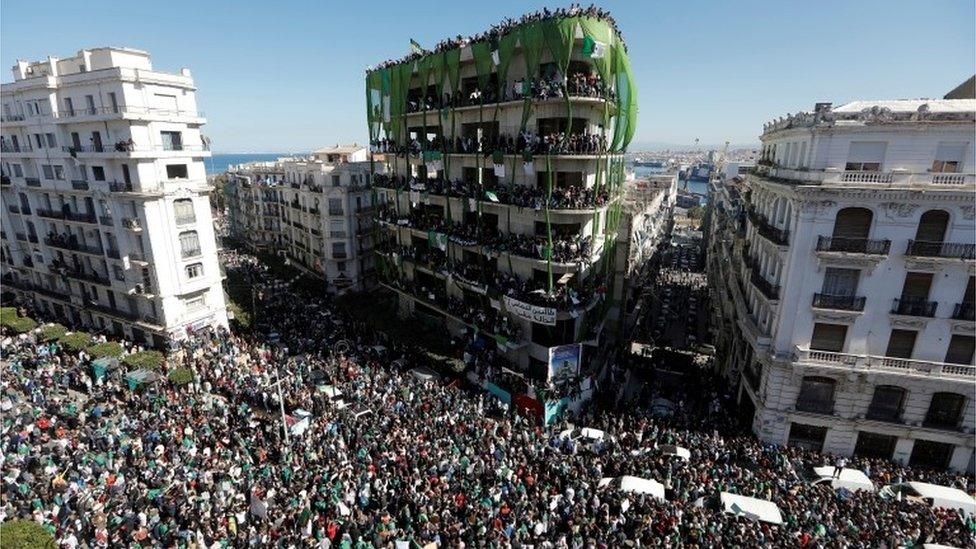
106,217
316,210
843,274
501,209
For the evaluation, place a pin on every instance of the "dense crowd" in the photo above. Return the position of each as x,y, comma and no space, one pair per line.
565,248
507,25
522,196
526,143
390,458
553,86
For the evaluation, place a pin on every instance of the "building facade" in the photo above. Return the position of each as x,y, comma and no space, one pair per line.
843,269
504,193
316,210
106,218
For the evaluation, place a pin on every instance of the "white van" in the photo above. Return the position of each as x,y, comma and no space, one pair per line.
851,479
934,495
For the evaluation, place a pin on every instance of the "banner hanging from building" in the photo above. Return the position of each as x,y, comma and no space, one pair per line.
564,363
534,313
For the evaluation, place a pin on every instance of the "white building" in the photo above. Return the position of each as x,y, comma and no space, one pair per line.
315,210
106,215
844,271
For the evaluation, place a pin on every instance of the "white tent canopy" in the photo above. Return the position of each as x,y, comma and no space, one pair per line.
677,451
852,479
751,508
939,496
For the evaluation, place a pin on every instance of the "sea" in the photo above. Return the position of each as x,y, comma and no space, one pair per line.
696,187
218,163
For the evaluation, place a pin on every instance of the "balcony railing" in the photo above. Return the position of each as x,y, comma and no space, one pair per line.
881,179
131,110
914,307
949,250
74,246
768,289
105,220
964,311
51,214
80,217
32,181
79,184
841,302
853,245
870,362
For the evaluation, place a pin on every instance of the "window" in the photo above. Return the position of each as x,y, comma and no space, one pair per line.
887,403
341,265
335,180
948,157
194,270
866,156
51,141
338,250
113,101
853,223
176,171
48,171
59,173
961,348
807,437
872,445
549,336
90,100
18,170
932,226
183,209
172,141
335,206
189,244
828,337
901,343
945,410
816,395
69,106
196,303
930,454
98,173
841,282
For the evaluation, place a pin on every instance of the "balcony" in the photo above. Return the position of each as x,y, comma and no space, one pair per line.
32,181
13,209
133,224
839,302
870,362
105,220
5,180
853,245
899,179
767,230
914,307
767,288
964,311
80,217
944,250
79,184
339,255
120,187
73,246
335,212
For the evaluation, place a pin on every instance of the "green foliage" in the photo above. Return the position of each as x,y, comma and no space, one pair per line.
181,376
19,324
25,534
7,313
75,341
144,360
107,349
51,332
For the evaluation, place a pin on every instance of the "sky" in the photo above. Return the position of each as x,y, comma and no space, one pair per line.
288,76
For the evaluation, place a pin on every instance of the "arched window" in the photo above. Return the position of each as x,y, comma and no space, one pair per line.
887,403
183,210
189,244
932,226
816,395
853,223
945,410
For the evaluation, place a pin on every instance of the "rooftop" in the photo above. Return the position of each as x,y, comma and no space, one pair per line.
878,112
910,105
340,149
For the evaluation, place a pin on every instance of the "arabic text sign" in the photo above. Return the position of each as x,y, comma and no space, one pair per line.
542,315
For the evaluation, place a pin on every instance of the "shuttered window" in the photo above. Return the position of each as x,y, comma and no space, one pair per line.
945,410
886,404
866,156
948,157
828,337
853,223
961,348
841,282
916,287
932,226
901,344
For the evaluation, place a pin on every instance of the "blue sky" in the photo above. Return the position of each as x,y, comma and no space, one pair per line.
288,76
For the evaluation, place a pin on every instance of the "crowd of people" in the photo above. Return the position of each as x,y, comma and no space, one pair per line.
572,197
525,143
552,86
497,31
679,287
376,456
565,248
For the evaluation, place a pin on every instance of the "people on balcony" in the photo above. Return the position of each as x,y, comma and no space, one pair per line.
523,196
556,143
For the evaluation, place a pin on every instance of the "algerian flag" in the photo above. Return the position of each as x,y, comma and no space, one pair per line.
593,48
415,47
490,195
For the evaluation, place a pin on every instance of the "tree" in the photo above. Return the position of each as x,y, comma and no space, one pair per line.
25,534
144,360
75,341
107,349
